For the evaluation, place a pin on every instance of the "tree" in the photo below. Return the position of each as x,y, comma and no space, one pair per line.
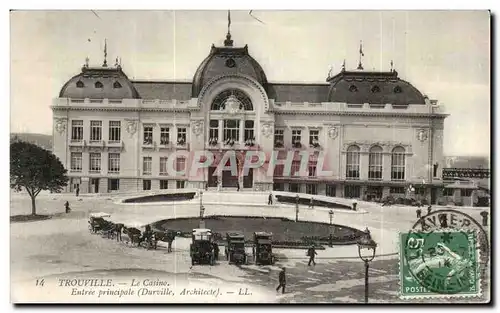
35,169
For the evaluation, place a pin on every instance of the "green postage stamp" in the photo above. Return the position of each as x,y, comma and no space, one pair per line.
439,263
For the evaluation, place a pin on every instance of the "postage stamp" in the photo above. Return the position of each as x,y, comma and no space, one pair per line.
439,263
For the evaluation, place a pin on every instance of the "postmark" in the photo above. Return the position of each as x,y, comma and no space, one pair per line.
444,254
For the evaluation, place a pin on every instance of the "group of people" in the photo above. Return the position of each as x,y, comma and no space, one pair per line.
311,253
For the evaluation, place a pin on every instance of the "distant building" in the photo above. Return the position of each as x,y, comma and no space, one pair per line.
379,133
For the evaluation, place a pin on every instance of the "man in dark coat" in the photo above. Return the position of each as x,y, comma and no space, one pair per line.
419,213
66,205
282,281
270,199
311,253
77,190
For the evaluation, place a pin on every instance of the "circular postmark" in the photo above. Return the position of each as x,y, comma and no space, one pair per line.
441,252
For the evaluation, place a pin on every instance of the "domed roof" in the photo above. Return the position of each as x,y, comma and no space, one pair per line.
99,83
227,60
360,87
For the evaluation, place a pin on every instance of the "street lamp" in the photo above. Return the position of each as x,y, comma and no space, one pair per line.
330,237
366,251
297,208
202,209
331,216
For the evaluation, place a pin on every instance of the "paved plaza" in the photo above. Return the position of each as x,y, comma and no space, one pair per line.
62,246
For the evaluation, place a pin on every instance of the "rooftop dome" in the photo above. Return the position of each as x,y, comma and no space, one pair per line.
99,83
360,87
227,60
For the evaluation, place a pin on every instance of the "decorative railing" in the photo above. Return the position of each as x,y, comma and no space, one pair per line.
451,172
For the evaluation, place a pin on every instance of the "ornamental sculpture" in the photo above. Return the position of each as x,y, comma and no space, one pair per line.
333,132
267,130
131,127
422,135
197,128
232,104
60,125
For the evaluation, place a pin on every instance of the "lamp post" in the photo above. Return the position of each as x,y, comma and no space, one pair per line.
297,208
331,216
202,209
330,237
366,251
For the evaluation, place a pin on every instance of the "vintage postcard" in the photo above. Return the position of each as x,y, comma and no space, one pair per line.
250,157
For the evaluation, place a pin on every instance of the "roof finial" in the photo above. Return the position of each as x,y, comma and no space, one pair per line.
87,62
343,66
392,66
105,64
116,62
361,54
228,42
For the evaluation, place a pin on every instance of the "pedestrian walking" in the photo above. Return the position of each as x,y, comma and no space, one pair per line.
238,185
311,203
77,190
282,281
311,253
270,199
66,205
419,213
354,205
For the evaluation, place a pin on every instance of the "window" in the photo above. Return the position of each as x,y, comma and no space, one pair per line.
117,85
164,135
180,164
330,190
163,184
397,89
76,161
296,136
375,89
146,184
249,132
353,88
114,131
95,130
213,132
351,191
98,85
278,170
312,171
95,162
466,192
314,137
77,130
293,187
181,135
312,189
352,166
295,168
398,163
278,186
147,163
163,165
234,96
114,163
80,84
113,184
375,163
397,190
148,135
180,184
279,138
231,130
448,192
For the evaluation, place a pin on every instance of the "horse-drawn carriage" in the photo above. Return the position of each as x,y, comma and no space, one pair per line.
262,248
202,247
99,225
235,248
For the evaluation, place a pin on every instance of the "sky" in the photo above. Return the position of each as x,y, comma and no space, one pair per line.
445,54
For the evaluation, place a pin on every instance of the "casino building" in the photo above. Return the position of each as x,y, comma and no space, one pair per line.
379,134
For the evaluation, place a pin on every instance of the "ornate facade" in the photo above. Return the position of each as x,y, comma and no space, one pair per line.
378,133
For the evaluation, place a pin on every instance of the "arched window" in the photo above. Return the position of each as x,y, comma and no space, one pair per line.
117,85
398,163
375,163
375,89
98,85
79,84
352,166
243,100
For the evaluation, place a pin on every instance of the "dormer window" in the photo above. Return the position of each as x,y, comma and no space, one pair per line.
117,85
398,89
98,85
375,89
353,88
79,84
